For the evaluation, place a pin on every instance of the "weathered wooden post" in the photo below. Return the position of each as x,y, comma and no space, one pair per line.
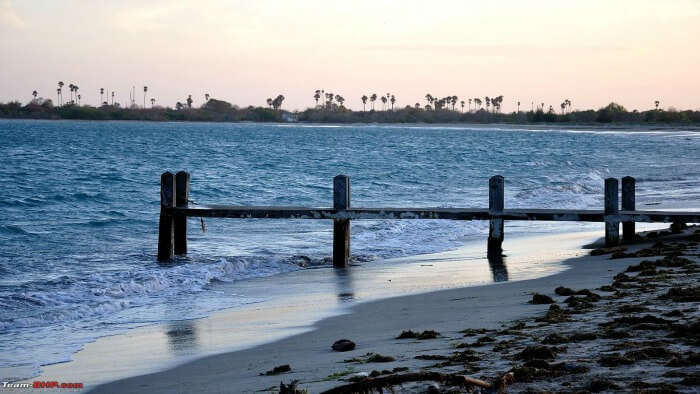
182,193
166,228
612,221
496,204
628,204
341,227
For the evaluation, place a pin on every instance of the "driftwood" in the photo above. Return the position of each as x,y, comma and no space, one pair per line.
369,385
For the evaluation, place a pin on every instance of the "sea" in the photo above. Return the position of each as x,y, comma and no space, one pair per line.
79,207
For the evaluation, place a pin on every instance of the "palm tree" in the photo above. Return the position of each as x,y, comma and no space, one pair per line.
73,90
454,101
189,101
317,96
145,89
462,103
206,97
112,97
102,92
542,106
58,96
269,102
60,92
393,100
340,99
563,107
488,103
470,105
518,106
35,93
153,102
372,99
277,102
76,93
364,102
78,99
384,100
656,104
496,102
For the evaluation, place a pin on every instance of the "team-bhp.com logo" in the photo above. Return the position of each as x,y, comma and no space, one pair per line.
41,385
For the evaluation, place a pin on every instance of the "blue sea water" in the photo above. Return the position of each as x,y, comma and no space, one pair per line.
80,205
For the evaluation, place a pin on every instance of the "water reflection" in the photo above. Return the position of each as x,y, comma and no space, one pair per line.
497,264
182,337
343,283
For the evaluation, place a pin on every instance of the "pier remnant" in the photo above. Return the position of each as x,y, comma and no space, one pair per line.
611,211
628,204
166,227
182,193
496,205
174,211
341,227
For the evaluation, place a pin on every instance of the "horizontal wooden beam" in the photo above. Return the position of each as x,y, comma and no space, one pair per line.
566,215
659,216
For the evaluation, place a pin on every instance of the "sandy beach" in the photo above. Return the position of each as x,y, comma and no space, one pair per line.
374,327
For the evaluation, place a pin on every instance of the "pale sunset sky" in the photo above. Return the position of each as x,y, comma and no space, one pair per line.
591,52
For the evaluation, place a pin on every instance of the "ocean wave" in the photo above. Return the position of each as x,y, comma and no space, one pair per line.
64,299
570,192
14,229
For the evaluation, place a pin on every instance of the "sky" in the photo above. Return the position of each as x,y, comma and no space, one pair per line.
591,52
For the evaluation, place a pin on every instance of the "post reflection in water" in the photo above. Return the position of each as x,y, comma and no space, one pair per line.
182,337
497,264
343,283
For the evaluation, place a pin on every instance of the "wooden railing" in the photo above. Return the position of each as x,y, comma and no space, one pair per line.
175,208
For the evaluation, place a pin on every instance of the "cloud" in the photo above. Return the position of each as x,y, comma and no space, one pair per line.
8,16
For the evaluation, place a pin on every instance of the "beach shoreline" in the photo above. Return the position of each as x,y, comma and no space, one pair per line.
297,300
310,356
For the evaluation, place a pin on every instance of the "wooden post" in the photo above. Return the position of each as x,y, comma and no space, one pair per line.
628,204
612,223
341,228
182,192
496,204
166,228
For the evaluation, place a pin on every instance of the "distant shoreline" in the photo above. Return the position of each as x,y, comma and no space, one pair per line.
220,111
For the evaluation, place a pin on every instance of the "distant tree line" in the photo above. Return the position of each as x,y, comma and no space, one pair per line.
612,113
330,107
212,111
